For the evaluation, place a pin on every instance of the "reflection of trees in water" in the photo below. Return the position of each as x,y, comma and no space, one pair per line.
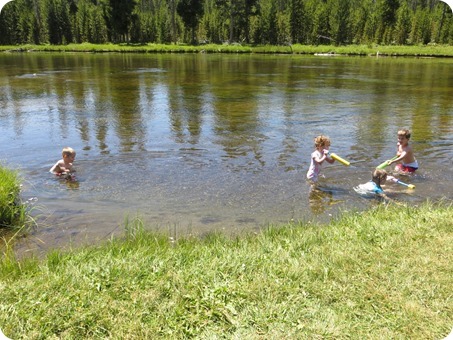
237,122
129,123
245,102
186,100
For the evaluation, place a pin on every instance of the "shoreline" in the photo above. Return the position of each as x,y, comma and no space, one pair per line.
425,51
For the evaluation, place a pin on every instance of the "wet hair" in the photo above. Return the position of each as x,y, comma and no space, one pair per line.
404,132
322,141
379,176
68,151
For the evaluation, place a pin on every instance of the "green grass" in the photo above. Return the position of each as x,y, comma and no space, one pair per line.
12,211
418,50
382,274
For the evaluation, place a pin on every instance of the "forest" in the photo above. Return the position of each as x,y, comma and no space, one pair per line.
256,22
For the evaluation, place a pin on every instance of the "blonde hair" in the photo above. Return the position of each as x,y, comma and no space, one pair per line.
322,141
404,132
67,151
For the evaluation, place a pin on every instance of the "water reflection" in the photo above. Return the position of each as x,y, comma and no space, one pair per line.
218,141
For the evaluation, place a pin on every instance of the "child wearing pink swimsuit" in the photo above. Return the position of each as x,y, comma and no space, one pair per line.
322,144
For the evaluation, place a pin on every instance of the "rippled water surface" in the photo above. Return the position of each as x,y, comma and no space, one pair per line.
195,143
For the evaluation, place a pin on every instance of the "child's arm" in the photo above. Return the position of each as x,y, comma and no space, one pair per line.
318,157
56,168
381,194
391,178
404,155
399,157
323,158
59,168
329,159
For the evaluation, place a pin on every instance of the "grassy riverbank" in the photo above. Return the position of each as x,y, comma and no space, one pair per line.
12,211
384,273
362,50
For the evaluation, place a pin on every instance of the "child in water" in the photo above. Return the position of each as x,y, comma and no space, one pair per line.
64,166
405,155
322,144
373,188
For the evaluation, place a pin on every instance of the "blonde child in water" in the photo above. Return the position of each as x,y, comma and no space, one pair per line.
405,155
321,154
64,165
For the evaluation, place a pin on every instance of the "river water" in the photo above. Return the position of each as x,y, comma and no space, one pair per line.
194,143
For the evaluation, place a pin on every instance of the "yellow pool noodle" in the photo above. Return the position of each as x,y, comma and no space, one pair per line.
338,158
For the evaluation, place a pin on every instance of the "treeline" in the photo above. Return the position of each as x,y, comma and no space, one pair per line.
276,22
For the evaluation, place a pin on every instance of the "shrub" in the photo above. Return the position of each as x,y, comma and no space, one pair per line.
11,209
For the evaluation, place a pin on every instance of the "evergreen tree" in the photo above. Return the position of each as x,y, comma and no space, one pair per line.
421,27
213,23
8,23
58,22
359,18
339,21
403,24
321,29
190,11
120,13
97,32
252,21
441,14
298,21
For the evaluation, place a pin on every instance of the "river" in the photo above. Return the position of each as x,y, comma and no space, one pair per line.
194,143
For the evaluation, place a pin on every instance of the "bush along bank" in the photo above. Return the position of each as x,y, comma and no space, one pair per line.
12,211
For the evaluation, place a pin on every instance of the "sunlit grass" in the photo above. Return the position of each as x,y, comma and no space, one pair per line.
384,273
431,50
12,211
15,217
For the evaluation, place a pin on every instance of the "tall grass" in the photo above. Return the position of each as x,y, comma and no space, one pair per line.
418,50
12,211
381,274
